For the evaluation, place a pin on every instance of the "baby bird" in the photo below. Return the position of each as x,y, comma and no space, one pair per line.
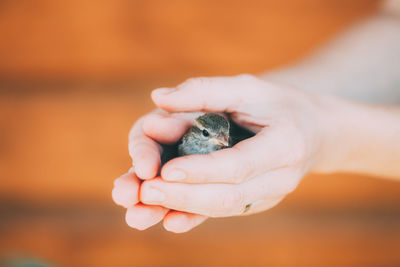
210,132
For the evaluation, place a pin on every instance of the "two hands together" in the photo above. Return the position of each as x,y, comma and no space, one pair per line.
253,176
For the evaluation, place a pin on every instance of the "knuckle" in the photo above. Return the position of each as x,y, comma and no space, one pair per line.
138,141
188,82
137,148
257,84
196,82
255,87
142,145
147,120
246,77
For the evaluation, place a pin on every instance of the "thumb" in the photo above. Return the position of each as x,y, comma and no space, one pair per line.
217,94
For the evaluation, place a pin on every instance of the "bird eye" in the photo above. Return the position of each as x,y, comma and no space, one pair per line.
206,133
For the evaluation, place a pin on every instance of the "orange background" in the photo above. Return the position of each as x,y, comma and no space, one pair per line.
75,75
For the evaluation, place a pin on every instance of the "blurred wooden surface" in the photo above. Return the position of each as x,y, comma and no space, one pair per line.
126,39
75,75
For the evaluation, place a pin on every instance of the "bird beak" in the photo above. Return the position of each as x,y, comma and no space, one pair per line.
221,140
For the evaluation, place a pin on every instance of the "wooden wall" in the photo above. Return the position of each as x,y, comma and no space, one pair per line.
75,75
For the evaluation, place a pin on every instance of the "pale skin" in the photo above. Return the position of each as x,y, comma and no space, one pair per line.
299,128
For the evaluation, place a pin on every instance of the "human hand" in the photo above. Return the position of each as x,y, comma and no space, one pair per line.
145,150
252,176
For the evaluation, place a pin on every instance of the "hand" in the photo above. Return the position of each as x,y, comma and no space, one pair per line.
252,176
145,151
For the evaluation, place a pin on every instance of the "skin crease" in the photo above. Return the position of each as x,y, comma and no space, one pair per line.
297,131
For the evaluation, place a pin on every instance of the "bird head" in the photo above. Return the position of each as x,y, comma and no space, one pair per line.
212,128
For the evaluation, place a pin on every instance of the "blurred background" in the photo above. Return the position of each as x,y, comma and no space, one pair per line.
75,75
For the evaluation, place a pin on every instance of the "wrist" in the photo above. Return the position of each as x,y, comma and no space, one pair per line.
334,133
357,137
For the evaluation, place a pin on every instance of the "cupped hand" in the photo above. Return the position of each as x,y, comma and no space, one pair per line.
145,151
250,177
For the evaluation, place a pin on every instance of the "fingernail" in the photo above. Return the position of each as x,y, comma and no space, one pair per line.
175,175
163,91
153,194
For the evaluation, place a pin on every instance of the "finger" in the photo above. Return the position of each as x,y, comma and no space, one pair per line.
210,200
165,128
126,190
271,148
144,151
218,200
219,94
180,222
142,216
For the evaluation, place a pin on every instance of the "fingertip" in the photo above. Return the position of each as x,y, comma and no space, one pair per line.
125,191
165,129
150,193
147,165
121,199
146,173
116,197
181,169
181,222
172,174
145,154
142,217
218,166
159,94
